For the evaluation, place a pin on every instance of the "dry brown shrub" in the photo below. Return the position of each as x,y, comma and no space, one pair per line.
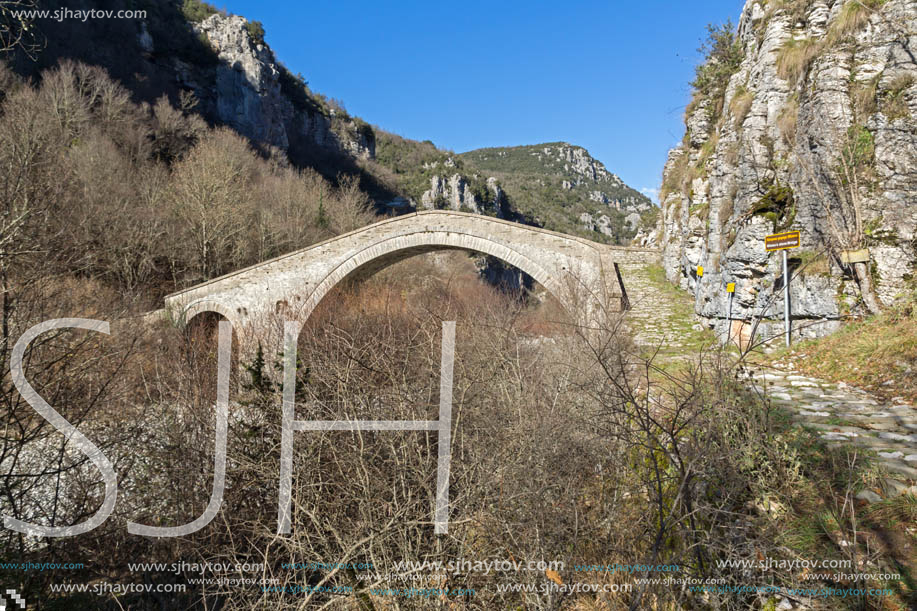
786,121
895,104
740,105
350,207
795,58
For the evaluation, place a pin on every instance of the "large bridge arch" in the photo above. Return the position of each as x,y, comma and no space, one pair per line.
383,253
579,273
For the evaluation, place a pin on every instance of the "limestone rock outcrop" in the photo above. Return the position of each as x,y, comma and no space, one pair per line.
585,170
249,97
816,132
454,193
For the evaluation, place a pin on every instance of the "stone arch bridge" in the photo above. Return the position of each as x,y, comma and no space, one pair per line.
583,275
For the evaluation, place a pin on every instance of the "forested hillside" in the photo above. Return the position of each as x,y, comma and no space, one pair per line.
217,66
145,198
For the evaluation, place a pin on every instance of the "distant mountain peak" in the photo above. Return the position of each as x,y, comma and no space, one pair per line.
564,186
563,159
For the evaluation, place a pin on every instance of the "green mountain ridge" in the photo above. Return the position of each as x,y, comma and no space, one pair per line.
562,187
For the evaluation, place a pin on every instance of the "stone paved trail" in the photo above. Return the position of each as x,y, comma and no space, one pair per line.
845,415
660,313
842,414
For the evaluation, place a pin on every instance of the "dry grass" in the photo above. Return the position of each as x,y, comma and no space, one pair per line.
813,263
731,154
894,104
675,180
726,209
707,151
795,10
900,509
786,121
739,106
795,57
851,19
864,98
868,354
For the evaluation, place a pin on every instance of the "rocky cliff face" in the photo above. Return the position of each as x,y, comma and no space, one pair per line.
815,132
248,94
455,192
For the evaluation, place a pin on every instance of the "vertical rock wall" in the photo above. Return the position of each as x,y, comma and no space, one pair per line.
249,98
820,79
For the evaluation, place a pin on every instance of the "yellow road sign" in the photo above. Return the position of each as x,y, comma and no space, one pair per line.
700,271
731,287
781,241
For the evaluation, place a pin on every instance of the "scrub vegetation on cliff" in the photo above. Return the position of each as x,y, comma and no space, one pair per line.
723,53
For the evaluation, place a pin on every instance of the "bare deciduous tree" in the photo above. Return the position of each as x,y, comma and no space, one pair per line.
17,30
213,199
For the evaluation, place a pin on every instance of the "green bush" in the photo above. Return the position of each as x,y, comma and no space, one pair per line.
860,148
723,55
256,31
296,89
196,11
363,128
778,206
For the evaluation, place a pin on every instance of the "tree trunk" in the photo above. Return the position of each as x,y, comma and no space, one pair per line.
866,289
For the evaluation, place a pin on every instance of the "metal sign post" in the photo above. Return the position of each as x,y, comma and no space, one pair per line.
731,289
786,299
783,242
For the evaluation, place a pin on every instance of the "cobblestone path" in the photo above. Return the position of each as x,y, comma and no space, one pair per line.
840,414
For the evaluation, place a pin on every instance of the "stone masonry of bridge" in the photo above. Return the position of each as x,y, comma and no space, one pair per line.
581,274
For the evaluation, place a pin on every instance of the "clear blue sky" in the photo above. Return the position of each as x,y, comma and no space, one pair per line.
611,76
